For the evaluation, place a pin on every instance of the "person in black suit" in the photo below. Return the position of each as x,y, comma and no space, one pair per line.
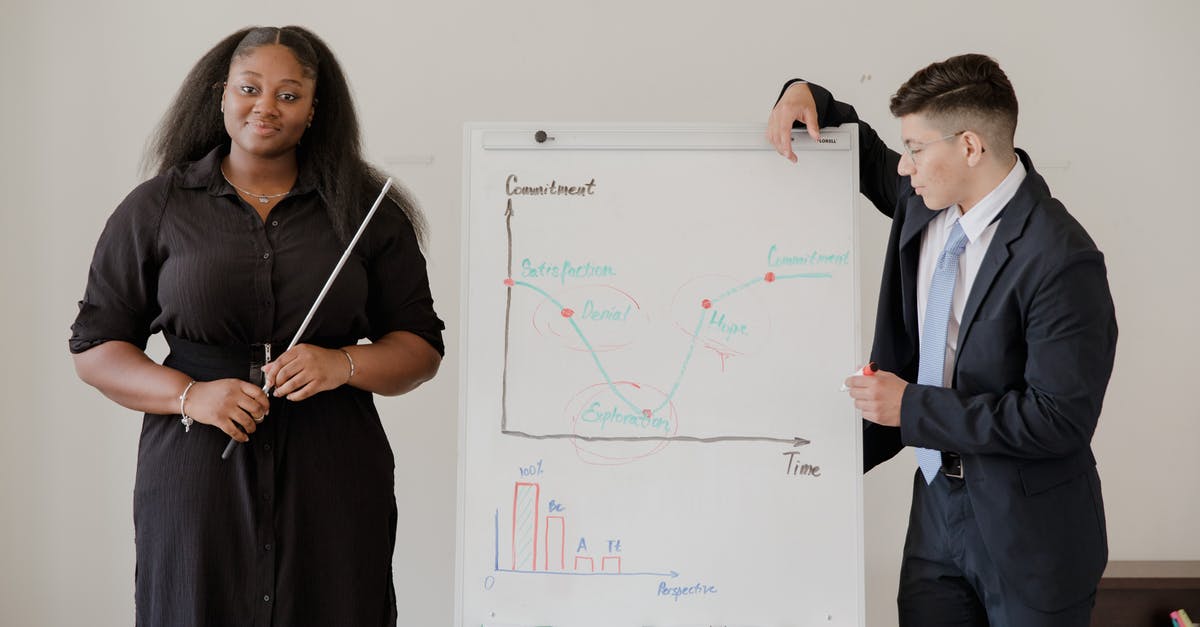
1007,523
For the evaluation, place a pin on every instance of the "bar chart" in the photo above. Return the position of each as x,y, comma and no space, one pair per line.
538,542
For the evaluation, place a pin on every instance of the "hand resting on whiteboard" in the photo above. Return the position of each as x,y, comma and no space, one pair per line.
878,396
795,105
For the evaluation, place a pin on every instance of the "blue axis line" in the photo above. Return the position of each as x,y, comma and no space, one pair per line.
574,574
695,334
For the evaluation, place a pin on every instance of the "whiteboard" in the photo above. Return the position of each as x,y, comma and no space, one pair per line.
656,322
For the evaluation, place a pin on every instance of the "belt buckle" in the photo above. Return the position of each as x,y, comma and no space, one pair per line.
948,471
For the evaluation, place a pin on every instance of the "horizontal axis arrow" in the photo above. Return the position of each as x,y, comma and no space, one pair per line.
794,441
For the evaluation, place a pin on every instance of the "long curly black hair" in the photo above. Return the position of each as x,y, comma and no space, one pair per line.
331,150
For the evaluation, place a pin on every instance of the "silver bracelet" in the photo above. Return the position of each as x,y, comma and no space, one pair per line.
184,418
351,360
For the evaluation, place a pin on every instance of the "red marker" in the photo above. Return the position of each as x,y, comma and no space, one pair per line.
868,370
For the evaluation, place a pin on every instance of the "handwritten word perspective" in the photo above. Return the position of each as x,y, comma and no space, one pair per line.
684,591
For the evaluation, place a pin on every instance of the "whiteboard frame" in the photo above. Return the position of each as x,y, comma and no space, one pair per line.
627,136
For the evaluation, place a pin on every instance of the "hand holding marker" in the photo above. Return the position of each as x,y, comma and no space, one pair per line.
866,371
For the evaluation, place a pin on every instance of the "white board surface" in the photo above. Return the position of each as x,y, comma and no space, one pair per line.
656,321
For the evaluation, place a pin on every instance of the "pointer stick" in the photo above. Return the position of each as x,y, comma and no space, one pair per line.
320,297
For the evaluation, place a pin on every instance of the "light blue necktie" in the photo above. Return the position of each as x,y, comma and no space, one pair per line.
933,341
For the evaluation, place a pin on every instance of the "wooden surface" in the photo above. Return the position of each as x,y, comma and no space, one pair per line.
1144,593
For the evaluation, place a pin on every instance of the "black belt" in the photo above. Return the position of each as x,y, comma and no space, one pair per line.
952,465
208,362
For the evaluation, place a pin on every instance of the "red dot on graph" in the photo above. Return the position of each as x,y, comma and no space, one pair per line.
707,304
509,282
647,413
770,276
567,312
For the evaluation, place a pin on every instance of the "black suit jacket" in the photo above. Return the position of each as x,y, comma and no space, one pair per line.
1035,350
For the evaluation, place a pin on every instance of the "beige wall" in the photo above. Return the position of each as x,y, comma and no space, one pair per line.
1109,94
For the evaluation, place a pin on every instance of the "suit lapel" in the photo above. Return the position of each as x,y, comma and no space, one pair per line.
1012,225
917,216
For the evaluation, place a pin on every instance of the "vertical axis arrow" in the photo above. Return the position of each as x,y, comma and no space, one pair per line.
508,213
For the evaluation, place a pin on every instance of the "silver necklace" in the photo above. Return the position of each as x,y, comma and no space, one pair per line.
262,198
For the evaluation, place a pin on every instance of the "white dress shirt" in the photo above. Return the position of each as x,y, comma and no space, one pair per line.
979,226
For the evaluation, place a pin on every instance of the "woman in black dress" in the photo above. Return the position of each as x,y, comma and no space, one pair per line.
260,186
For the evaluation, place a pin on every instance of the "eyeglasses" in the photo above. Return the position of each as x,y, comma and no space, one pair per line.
912,150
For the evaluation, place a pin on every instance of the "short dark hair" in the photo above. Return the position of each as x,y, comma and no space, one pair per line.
968,91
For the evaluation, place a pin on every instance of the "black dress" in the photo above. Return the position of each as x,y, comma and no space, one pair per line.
298,526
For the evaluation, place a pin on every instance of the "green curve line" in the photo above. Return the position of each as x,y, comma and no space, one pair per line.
691,349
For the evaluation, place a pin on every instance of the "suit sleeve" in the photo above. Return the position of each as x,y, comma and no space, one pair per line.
878,179
1052,398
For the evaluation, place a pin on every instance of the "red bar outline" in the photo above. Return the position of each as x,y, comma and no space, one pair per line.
562,550
537,508
604,562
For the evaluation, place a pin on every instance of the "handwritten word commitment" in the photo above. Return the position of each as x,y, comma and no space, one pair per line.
513,188
814,258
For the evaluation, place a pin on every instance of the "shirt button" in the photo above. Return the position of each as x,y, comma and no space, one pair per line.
267,547
274,222
266,255
266,447
266,598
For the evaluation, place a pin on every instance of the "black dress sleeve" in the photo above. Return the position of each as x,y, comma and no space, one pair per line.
119,302
398,296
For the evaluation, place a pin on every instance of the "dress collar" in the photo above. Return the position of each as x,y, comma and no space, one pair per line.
206,174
